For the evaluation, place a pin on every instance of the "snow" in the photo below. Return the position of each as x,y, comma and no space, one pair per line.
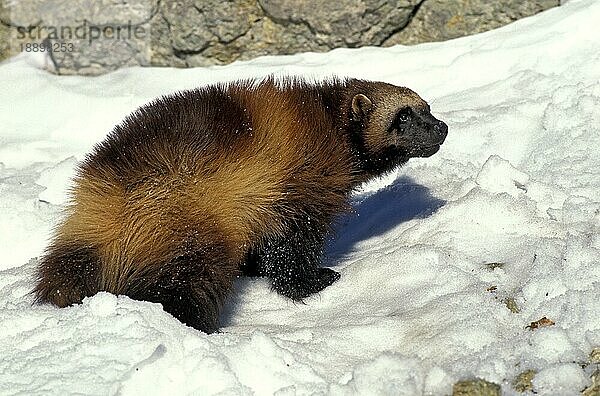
572,375
508,210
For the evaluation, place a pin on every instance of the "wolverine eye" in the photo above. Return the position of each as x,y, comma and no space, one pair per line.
404,115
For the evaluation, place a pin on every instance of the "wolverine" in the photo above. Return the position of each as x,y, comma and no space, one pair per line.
243,178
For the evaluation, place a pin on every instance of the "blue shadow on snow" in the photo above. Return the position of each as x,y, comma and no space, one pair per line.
378,213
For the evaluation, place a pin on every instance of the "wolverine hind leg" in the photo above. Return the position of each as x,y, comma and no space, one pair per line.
192,286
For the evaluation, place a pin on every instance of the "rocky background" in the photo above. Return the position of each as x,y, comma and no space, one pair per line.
101,35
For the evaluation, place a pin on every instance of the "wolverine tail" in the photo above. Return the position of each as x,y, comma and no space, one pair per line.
191,285
67,273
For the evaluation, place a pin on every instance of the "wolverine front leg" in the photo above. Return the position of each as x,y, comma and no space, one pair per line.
292,262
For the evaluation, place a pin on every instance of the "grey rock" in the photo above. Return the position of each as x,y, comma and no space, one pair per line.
345,22
228,20
100,56
187,26
438,20
5,40
96,35
186,33
100,12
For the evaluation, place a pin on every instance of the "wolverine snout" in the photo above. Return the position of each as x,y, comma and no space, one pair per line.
440,131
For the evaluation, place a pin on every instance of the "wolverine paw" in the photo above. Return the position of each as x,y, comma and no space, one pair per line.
300,288
327,277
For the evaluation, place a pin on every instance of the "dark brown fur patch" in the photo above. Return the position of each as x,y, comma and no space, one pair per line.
70,272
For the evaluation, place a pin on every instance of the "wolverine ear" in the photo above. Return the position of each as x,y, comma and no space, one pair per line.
361,106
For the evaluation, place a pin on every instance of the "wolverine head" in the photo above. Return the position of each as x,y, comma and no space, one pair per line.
392,124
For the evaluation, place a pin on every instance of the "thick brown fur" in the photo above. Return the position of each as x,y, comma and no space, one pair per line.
195,187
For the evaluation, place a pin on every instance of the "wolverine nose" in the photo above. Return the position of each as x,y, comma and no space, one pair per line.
441,131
